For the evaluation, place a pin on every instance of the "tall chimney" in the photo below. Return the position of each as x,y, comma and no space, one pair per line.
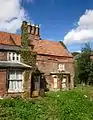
37,30
33,29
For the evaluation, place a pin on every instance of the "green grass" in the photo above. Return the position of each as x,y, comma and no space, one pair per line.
75,104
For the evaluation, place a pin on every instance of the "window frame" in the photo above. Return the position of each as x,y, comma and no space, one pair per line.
15,80
61,67
15,55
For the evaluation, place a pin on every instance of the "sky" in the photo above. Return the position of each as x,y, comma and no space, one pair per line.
70,21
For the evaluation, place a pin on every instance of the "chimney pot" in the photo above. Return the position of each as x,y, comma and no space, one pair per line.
28,23
37,30
33,24
33,29
37,26
29,28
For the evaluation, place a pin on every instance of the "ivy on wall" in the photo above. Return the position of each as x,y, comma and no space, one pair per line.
28,57
27,54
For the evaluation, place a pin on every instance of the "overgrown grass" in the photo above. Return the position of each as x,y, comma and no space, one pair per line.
75,104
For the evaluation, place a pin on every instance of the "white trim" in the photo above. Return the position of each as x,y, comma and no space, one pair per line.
16,62
10,55
25,64
14,84
61,67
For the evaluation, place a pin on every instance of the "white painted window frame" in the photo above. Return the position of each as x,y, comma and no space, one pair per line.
10,55
61,67
16,80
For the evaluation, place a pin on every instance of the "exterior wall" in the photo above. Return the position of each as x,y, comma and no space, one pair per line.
2,82
48,64
3,56
27,83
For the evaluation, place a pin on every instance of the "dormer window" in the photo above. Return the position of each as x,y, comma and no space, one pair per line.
61,67
13,56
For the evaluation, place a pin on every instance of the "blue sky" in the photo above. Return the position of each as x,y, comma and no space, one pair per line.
57,19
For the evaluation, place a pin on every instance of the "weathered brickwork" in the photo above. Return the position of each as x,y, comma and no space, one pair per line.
3,78
3,56
48,64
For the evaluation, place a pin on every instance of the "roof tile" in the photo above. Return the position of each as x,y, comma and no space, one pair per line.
44,47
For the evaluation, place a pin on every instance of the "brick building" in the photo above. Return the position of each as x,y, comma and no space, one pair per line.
53,60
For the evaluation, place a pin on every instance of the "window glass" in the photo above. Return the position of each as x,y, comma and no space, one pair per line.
15,81
12,56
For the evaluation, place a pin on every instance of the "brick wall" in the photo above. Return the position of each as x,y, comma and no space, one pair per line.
2,82
3,56
48,64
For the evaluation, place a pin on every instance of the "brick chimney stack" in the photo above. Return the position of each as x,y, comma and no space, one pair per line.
34,31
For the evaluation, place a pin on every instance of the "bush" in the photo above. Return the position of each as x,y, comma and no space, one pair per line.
68,105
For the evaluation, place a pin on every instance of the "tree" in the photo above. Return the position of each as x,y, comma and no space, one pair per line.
75,53
84,66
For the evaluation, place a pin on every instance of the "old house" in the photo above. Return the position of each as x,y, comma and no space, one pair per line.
53,61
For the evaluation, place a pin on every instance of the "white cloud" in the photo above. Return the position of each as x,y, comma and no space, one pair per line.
84,30
11,15
79,51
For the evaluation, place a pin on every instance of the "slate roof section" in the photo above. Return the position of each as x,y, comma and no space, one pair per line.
7,64
10,39
44,47
9,47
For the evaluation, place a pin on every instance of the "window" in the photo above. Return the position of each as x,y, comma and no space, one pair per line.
15,81
12,56
61,67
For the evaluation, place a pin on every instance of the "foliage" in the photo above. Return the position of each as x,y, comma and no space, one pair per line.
28,57
84,66
68,105
24,35
75,53
27,54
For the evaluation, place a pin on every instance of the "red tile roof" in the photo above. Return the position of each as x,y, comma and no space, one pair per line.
10,39
51,48
44,47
